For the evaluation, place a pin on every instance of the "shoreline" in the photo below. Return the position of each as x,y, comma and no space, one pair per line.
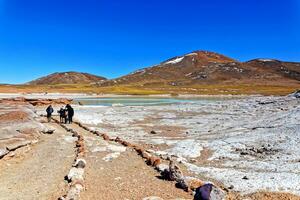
135,123
228,141
87,95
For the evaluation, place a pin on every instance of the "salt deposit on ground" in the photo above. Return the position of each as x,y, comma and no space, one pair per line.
253,143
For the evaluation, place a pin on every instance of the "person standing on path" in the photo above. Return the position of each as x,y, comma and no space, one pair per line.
70,113
49,111
62,115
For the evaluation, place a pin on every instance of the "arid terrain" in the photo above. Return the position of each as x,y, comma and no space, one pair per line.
242,156
149,100
198,72
242,143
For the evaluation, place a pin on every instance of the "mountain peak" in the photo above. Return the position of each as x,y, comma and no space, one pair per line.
201,56
206,67
69,77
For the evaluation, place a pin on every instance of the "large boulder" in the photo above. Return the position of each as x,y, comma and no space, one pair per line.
173,173
209,191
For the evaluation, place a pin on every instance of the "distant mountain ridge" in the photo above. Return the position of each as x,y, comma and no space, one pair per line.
204,67
195,68
70,77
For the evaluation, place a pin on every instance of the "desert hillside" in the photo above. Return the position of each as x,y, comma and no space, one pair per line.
67,78
203,67
198,72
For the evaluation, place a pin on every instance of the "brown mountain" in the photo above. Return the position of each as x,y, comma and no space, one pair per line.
203,67
67,78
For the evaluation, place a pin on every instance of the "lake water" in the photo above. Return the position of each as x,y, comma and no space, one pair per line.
132,101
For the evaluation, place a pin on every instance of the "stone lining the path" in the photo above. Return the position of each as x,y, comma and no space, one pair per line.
75,176
169,172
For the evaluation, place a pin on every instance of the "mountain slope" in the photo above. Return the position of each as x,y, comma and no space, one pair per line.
67,78
203,67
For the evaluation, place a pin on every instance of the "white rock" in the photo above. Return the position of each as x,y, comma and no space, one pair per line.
116,148
3,152
162,167
74,192
152,198
111,156
75,174
217,194
80,163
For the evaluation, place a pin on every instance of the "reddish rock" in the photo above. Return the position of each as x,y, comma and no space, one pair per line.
118,140
156,162
146,155
195,183
97,133
139,149
125,143
105,137
153,161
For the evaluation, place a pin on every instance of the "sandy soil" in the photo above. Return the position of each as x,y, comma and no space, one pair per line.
219,141
124,177
39,172
264,196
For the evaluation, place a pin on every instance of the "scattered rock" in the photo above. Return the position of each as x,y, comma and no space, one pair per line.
173,173
181,183
265,102
153,132
105,137
152,198
193,183
258,151
217,194
74,192
296,94
145,155
153,161
245,178
203,192
209,192
230,187
75,134
161,167
75,174
3,152
111,156
49,131
80,163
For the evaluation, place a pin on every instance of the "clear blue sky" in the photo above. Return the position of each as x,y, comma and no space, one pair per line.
114,37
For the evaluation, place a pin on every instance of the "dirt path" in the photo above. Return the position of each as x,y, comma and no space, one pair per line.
115,172
38,173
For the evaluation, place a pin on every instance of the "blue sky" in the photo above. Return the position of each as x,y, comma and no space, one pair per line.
113,38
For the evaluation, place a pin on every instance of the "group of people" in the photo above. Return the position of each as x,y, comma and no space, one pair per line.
65,114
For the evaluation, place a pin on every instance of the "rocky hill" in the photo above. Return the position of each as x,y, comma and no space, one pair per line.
204,67
193,69
67,78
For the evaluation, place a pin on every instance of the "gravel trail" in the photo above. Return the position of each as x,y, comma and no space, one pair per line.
39,172
115,172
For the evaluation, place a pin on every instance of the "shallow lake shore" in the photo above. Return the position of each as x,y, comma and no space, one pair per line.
242,143
247,145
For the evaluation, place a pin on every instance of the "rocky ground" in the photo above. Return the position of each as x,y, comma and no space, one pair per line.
43,166
246,147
